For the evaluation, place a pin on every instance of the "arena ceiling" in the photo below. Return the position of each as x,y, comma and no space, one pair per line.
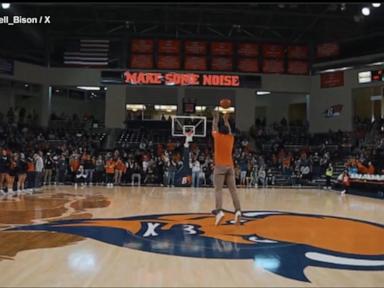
264,22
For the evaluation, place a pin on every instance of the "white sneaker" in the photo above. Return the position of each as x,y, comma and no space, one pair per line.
343,192
219,217
237,217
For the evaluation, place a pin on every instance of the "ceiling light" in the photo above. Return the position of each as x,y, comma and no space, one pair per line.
366,11
263,92
376,5
376,64
336,69
5,5
89,88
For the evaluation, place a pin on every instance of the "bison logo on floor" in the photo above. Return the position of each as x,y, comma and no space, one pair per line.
283,243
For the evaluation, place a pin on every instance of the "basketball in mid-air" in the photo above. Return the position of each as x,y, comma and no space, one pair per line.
225,103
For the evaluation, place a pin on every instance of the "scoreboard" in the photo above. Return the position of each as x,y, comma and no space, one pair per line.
371,76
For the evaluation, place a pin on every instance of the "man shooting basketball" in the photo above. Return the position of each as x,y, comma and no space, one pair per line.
223,171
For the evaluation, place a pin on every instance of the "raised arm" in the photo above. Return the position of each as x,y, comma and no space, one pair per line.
215,122
226,122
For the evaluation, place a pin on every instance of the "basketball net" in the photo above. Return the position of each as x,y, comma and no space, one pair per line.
188,137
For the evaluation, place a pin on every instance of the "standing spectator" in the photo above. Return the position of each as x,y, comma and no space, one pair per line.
22,168
4,164
346,182
39,167
99,170
316,166
12,173
196,169
89,167
262,176
270,178
119,170
243,165
136,173
159,172
254,176
237,174
305,172
61,169
172,167
48,166
74,164
81,177
328,176
110,172
30,174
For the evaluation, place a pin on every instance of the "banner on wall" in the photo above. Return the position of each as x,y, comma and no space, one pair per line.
331,80
195,47
222,48
297,67
273,66
273,51
333,111
297,52
248,65
327,50
195,63
169,46
248,49
168,62
141,61
142,46
221,63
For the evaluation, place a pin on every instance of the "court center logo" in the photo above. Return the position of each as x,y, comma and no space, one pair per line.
280,242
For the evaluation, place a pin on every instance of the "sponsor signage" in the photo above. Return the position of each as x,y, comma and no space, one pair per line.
136,78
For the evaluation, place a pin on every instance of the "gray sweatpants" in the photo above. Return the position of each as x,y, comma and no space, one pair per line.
225,174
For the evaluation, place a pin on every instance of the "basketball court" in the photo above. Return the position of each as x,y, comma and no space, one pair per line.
152,236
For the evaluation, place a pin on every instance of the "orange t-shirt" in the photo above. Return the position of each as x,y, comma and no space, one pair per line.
120,166
110,167
30,167
75,164
223,148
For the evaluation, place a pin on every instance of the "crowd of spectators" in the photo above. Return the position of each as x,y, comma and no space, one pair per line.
32,157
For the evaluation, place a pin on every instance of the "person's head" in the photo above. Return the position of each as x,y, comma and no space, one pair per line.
4,152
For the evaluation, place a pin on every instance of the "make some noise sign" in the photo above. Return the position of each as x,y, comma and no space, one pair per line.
181,79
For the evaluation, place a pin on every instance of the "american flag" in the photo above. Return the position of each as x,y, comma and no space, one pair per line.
87,53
